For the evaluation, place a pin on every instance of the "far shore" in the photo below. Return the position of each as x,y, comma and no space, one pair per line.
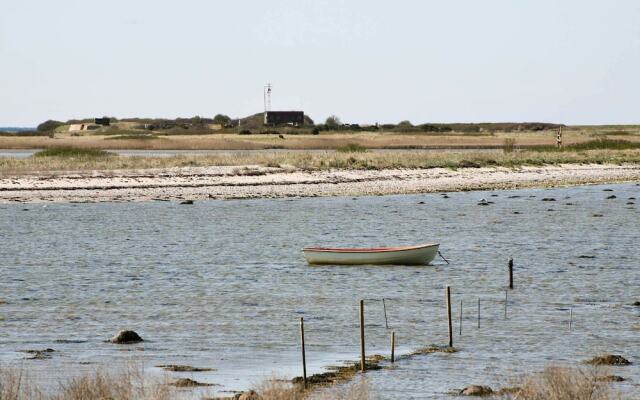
253,181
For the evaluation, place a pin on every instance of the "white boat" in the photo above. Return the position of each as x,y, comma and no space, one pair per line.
408,255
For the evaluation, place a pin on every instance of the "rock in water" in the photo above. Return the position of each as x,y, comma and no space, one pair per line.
476,390
126,337
187,202
609,359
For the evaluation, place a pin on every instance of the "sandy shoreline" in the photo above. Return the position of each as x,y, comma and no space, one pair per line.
260,182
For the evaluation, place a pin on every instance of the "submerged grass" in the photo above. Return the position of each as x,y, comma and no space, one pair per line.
53,160
72,152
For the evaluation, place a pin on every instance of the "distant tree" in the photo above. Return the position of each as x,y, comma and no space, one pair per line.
405,124
221,119
333,122
49,125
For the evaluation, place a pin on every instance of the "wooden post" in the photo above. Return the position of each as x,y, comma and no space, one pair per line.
393,346
304,359
511,273
384,307
460,318
449,316
363,366
506,299
478,312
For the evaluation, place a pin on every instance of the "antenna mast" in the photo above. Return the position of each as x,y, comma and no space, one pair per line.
267,97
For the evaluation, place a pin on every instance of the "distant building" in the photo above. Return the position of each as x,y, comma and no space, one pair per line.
103,121
284,117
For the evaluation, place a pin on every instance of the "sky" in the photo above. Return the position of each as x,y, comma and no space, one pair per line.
366,61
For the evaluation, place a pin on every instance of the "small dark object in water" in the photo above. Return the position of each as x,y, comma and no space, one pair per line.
569,204
186,382
550,209
631,198
187,202
494,195
44,354
548,199
514,197
597,215
516,212
483,203
583,256
636,304
630,203
613,196
476,390
421,202
126,337
183,368
609,359
610,378
607,190
445,197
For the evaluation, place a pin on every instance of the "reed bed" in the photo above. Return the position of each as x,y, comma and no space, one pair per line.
321,160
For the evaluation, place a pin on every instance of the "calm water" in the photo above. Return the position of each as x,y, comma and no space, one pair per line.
222,284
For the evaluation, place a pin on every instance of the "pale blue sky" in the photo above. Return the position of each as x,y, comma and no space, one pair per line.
366,61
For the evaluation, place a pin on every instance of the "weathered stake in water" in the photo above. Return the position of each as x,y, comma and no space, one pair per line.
384,307
570,318
448,291
511,273
393,346
304,359
363,366
460,318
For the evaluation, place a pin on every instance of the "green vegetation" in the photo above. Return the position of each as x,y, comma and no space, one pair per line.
73,152
351,148
508,145
221,119
49,126
597,144
135,136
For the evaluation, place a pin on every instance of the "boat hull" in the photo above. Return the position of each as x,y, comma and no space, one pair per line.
414,255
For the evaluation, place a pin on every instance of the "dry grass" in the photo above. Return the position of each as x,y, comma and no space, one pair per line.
322,160
124,385
564,383
275,389
324,141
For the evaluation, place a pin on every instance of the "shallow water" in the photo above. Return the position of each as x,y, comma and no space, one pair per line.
222,284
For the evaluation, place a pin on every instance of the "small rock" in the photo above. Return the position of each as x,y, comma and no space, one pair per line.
126,337
250,395
610,378
483,203
630,203
186,382
609,359
421,202
516,212
613,196
631,198
187,202
636,304
40,354
597,215
607,190
548,199
476,390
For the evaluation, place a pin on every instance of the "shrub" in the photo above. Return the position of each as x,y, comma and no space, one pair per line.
48,126
508,145
351,148
245,132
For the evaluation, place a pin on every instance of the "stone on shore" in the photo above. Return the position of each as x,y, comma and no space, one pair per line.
126,337
250,395
476,390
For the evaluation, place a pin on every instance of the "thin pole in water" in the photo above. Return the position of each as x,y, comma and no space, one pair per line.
448,291
393,346
384,307
511,273
363,366
570,317
304,359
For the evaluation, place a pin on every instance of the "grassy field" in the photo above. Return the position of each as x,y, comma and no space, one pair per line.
323,160
323,141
